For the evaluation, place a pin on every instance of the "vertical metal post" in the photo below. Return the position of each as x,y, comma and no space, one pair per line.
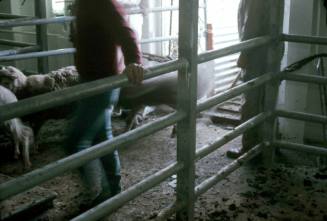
205,21
187,96
41,35
271,89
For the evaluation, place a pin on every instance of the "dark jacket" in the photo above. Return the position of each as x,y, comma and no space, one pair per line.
103,39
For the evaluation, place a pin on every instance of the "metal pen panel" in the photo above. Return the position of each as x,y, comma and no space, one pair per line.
131,193
78,159
219,98
11,16
186,102
245,45
305,78
19,50
253,122
321,151
227,170
304,39
15,43
274,56
42,35
40,54
301,116
60,97
35,21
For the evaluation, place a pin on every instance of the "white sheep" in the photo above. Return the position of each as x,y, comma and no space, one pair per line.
22,135
26,86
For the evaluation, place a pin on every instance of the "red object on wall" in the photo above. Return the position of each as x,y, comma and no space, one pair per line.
209,37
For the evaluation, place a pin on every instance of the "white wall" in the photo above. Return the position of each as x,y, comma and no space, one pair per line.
301,17
314,132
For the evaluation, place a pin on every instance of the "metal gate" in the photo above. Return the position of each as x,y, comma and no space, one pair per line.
185,116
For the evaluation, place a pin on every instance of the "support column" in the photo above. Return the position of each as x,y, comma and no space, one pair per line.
187,97
41,35
275,53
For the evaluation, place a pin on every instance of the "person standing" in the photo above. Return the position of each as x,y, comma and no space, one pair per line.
105,46
253,21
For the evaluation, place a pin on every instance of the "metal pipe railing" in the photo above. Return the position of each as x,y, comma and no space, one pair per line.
158,39
152,10
19,51
38,54
11,16
131,193
300,147
40,10
227,170
245,45
306,78
207,149
253,122
186,102
15,43
56,98
35,21
219,98
28,21
304,39
302,116
78,159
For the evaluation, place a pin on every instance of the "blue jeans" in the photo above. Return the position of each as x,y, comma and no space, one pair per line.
92,125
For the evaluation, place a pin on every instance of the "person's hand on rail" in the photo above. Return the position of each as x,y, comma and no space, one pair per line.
135,73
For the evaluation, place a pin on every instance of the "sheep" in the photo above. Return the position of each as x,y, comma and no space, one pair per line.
22,135
26,86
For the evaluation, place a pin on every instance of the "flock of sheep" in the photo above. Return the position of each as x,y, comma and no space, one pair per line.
14,85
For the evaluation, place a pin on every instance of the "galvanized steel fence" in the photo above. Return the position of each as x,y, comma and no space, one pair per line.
185,115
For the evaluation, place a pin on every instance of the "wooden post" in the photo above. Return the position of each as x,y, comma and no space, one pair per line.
187,98
271,89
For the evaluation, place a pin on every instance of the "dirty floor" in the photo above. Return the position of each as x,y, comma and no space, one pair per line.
287,192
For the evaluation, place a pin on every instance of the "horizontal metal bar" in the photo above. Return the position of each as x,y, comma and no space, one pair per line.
11,16
219,98
154,10
27,21
76,160
67,95
227,170
158,39
15,43
30,33
253,122
306,78
304,39
35,21
114,203
151,10
19,51
38,54
302,116
300,147
245,45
